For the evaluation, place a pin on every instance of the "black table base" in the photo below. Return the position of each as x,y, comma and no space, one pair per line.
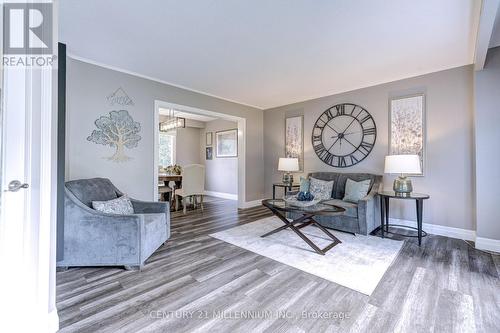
299,223
387,231
384,214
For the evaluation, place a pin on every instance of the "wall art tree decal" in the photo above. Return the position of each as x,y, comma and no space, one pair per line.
117,130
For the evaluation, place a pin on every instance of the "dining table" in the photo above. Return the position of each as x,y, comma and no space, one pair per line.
167,178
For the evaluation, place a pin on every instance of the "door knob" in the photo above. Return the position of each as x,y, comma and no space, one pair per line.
15,186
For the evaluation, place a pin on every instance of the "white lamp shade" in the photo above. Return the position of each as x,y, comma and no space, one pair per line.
402,164
288,164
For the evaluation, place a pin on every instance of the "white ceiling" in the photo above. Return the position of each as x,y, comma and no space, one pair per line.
271,53
495,36
187,115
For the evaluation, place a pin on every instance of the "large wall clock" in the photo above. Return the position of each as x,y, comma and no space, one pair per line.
344,135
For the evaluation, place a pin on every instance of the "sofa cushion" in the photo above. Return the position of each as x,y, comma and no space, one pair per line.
355,191
94,189
321,189
120,206
351,209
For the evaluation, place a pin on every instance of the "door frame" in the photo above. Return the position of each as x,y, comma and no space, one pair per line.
37,88
241,143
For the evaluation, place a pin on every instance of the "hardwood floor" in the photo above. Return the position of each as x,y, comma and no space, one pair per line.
194,280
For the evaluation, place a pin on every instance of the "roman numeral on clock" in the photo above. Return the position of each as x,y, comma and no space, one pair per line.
342,162
340,109
365,147
369,131
354,160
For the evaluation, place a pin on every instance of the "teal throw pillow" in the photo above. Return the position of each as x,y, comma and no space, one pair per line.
355,191
304,184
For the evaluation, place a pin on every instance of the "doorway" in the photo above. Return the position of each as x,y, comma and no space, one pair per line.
225,172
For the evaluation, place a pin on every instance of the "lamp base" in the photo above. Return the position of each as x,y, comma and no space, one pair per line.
402,186
287,178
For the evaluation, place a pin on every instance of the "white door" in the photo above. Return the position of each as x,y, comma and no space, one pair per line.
27,192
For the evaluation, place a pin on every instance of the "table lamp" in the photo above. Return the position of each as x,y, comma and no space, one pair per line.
402,164
288,165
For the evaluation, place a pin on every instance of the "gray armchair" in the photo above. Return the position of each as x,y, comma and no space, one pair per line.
93,238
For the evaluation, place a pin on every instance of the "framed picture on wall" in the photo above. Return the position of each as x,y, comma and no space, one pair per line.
208,153
407,127
226,143
208,138
294,139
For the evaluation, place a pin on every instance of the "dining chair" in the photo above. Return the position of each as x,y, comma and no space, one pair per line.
193,186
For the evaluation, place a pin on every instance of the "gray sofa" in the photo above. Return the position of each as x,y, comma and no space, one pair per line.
92,238
359,218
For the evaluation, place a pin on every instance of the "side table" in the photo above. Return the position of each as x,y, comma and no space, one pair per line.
384,212
286,187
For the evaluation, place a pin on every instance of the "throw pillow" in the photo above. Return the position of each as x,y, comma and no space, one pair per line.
321,189
120,206
355,191
304,185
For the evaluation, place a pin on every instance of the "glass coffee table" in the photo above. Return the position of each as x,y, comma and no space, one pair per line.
280,207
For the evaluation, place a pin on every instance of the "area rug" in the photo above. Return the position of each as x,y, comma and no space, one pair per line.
358,263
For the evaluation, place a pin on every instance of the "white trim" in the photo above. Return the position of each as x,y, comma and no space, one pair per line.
488,244
485,27
440,230
92,62
53,321
250,204
222,195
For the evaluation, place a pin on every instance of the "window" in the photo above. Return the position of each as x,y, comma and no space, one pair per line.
167,149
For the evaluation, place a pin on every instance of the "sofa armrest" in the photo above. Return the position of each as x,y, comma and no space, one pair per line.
367,212
147,207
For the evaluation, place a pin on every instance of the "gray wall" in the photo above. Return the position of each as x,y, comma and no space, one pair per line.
88,85
487,132
221,173
449,161
187,146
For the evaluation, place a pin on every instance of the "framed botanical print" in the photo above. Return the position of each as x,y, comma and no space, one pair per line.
208,139
226,143
208,153
294,139
407,127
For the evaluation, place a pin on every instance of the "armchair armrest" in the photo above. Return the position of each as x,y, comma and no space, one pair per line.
147,207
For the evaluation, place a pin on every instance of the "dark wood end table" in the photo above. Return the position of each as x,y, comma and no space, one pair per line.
280,207
384,212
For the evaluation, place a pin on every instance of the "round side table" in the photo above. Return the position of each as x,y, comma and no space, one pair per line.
384,212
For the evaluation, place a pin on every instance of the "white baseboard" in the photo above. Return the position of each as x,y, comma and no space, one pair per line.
222,195
488,244
53,321
440,230
250,204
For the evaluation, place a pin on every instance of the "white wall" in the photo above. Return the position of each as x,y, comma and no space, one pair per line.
221,173
187,146
487,141
88,86
449,157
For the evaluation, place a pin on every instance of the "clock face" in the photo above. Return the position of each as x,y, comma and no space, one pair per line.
344,135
